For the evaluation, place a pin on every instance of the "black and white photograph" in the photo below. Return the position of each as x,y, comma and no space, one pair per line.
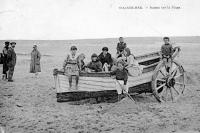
99,66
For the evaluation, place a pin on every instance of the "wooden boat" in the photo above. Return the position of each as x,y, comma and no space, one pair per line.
102,86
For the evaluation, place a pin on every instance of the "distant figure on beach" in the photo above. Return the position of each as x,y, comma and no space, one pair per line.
95,65
5,60
11,61
35,61
166,53
121,45
70,66
106,59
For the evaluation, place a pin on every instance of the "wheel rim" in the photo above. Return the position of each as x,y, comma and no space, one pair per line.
168,86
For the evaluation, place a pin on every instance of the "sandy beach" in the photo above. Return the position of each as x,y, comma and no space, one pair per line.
29,105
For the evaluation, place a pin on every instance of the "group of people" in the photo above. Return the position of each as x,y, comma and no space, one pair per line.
9,58
8,61
122,66
104,62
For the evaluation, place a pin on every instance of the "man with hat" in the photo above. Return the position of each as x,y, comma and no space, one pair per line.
105,58
5,60
11,61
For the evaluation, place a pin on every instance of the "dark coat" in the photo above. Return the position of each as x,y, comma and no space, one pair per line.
121,46
35,61
96,66
105,59
11,57
5,60
120,74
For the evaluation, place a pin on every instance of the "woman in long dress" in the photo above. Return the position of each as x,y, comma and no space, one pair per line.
35,61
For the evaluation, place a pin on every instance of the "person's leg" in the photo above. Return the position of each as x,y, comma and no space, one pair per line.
10,73
77,79
119,89
126,86
70,81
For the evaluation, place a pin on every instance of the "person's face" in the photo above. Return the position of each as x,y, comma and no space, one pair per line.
13,45
94,58
166,41
105,52
34,47
73,52
121,40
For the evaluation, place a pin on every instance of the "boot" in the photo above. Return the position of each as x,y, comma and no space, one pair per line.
3,76
119,97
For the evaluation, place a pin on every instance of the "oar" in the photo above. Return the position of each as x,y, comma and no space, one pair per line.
125,91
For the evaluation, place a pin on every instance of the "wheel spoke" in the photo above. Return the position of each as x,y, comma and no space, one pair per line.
160,86
179,83
162,73
176,90
170,89
177,76
161,80
174,71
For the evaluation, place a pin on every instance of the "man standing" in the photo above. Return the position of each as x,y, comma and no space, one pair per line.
11,61
5,60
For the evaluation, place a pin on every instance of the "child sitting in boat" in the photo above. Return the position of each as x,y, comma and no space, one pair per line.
95,65
133,67
81,63
166,53
70,66
121,78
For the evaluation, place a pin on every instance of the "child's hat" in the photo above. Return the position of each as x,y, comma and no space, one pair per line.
94,55
73,48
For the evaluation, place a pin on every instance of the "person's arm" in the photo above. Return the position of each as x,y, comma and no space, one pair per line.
113,72
9,55
99,67
130,61
39,55
161,52
66,61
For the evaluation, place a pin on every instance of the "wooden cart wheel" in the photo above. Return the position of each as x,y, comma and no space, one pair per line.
168,85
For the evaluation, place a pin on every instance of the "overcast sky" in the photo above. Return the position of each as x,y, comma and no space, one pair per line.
78,19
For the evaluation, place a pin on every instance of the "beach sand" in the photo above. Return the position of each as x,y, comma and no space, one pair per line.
29,105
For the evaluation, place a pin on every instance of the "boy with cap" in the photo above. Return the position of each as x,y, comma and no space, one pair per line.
95,65
11,61
106,59
5,60
166,53
121,45
70,66
121,78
